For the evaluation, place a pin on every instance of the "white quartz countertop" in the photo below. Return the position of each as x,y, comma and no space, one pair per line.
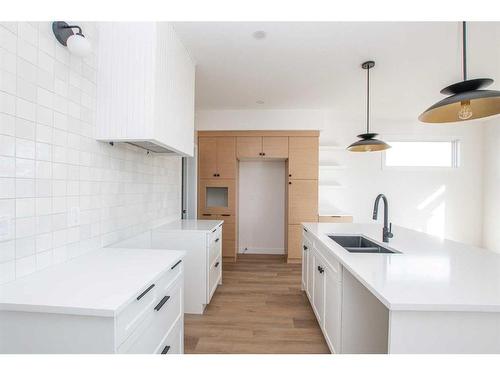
99,283
430,274
190,225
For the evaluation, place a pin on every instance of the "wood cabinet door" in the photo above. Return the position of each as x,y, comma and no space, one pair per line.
333,293
226,157
207,157
249,147
302,201
294,251
275,147
303,157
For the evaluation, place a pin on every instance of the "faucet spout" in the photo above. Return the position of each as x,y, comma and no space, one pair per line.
386,232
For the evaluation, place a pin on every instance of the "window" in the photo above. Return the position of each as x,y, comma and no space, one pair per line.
422,154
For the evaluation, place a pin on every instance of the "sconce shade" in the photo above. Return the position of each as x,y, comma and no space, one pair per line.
78,45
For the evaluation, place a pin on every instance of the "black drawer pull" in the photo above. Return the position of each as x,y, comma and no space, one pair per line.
161,303
214,230
144,293
176,264
321,269
226,215
305,230
305,247
217,239
216,265
207,214
165,349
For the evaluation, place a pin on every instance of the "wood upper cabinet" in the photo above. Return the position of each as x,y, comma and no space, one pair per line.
217,157
262,147
302,201
275,147
303,157
207,157
249,147
226,157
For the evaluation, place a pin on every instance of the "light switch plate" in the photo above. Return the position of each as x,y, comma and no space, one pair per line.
74,216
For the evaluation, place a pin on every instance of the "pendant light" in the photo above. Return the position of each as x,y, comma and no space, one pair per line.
368,141
466,100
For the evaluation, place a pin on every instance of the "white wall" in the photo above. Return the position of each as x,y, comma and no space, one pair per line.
491,197
456,213
51,168
262,207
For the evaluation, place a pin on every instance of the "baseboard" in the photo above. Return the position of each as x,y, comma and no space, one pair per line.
262,251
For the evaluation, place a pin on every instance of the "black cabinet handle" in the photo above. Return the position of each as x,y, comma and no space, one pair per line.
226,215
176,264
305,247
216,265
217,239
165,349
305,230
207,214
161,303
215,174
289,182
321,269
289,175
145,292
214,230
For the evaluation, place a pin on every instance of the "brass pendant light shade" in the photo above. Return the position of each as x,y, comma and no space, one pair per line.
368,142
466,101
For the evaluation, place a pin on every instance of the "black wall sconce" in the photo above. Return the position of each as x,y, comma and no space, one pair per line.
76,43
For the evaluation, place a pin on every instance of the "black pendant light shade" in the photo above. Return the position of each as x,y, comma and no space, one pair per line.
368,142
466,101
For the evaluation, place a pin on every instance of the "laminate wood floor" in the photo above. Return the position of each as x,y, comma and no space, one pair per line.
259,308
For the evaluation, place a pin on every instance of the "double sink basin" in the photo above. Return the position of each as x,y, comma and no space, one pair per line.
360,244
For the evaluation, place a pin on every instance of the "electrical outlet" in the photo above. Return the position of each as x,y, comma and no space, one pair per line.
74,216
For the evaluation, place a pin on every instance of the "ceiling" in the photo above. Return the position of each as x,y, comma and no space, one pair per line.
316,65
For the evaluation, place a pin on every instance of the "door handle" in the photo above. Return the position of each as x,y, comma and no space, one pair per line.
165,349
161,303
145,292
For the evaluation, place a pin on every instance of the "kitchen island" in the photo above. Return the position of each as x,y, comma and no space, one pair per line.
431,296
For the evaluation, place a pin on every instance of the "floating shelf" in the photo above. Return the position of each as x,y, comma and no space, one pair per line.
332,148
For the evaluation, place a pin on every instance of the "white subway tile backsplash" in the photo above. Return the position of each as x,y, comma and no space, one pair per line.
25,129
7,251
7,145
7,124
7,272
25,148
50,165
25,247
7,188
25,266
25,188
27,51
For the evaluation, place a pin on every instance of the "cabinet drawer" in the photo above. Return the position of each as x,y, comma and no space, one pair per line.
214,276
151,332
215,250
143,306
215,235
174,342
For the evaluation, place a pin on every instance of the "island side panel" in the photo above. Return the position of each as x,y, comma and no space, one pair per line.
365,320
43,333
444,332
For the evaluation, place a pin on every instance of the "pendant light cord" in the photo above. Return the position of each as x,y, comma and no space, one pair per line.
464,49
368,100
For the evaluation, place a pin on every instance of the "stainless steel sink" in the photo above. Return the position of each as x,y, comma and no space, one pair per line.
360,244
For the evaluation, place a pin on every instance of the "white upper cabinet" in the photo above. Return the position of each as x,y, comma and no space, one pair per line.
145,87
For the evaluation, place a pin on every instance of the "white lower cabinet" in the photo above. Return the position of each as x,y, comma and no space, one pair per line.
322,284
109,301
333,294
